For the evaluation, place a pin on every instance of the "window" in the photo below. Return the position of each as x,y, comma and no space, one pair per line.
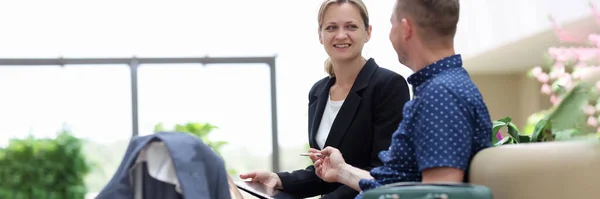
233,97
93,102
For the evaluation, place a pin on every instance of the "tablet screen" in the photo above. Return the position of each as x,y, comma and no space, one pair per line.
257,189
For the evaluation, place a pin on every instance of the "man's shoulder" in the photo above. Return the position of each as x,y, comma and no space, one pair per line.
455,83
453,75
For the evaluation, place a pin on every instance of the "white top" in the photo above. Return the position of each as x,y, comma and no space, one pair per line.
329,113
160,165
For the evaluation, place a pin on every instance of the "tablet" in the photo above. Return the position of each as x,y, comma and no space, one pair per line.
260,190
256,189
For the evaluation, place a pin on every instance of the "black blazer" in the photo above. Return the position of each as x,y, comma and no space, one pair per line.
362,128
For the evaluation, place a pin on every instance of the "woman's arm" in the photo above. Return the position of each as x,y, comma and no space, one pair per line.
387,114
342,191
302,183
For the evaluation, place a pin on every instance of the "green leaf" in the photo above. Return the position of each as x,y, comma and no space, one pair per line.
504,141
549,60
524,139
496,126
201,131
513,131
563,116
530,74
159,127
505,120
43,168
568,114
567,134
540,127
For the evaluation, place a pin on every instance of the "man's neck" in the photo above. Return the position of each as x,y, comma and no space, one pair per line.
428,57
346,71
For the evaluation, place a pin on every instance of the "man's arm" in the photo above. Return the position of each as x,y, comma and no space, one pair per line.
442,174
445,136
350,176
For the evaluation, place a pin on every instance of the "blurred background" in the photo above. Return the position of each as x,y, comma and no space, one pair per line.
500,42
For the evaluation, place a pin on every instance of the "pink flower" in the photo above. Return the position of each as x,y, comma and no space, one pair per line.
554,100
559,65
565,75
553,51
586,54
564,55
557,72
593,37
566,81
543,77
546,89
499,135
563,36
536,71
589,74
592,121
589,109
580,65
595,12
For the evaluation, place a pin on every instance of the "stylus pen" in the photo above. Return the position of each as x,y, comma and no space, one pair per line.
308,154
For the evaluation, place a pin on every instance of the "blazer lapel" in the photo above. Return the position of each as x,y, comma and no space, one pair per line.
322,97
346,113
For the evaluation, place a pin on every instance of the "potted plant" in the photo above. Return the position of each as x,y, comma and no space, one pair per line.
571,80
43,168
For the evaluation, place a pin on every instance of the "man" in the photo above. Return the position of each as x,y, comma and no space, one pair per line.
445,124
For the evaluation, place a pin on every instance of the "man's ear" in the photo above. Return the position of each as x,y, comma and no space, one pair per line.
369,29
407,29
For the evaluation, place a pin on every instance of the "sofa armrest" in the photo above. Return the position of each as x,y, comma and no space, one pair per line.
419,190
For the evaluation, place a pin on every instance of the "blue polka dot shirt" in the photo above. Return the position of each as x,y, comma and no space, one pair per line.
444,125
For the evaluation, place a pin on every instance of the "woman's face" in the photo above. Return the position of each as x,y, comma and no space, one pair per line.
343,33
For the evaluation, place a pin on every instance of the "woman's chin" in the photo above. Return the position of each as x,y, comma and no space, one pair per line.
343,57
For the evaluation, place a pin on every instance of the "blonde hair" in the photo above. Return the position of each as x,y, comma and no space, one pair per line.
364,14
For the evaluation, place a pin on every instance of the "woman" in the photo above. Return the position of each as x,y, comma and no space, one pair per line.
356,109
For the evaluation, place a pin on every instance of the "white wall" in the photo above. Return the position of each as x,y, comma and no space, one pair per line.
487,24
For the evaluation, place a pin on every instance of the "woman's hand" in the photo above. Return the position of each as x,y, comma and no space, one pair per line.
330,163
267,178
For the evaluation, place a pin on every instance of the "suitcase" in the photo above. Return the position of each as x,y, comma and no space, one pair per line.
417,190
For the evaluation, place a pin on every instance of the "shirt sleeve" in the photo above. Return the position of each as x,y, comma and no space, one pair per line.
366,184
443,136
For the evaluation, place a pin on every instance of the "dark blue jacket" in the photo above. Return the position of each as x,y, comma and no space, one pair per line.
200,171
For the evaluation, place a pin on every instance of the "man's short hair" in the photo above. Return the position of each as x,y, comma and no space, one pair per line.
434,16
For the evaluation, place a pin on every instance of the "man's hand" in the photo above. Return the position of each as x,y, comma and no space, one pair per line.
313,156
269,179
330,163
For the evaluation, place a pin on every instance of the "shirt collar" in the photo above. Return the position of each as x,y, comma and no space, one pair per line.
430,71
